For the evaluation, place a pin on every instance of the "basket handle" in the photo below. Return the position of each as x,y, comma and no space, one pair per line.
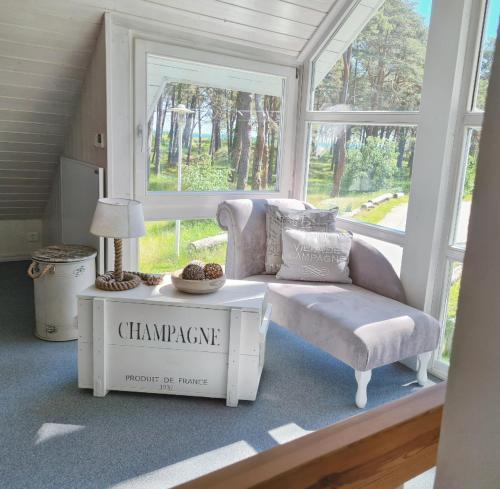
39,274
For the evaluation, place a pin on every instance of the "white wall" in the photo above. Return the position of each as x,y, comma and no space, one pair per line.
14,244
90,115
89,119
51,220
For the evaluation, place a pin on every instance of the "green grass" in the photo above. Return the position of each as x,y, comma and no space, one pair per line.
157,248
451,314
375,215
166,180
319,187
345,203
348,203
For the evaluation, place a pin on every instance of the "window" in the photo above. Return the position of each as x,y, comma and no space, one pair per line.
229,139
382,68
230,123
488,39
364,170
463,171
450,310
170,245
364,94
467,186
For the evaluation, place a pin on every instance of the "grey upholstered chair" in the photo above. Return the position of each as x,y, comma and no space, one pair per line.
366,325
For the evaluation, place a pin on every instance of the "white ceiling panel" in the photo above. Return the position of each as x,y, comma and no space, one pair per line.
282,9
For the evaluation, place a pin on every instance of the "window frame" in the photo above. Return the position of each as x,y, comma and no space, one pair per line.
193,205
468,117
477,30
355,117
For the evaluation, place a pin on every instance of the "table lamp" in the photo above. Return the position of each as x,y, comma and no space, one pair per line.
118,219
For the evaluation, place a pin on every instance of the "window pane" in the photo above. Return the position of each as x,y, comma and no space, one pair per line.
467,187
376,67
200,239
487,50
364,170
451,310
229,139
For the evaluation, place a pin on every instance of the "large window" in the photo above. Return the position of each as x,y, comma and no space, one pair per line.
382,68
463,171
231,130
362,115
209,127
364,170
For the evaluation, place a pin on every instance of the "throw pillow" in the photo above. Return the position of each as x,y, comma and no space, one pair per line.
278,219
316,256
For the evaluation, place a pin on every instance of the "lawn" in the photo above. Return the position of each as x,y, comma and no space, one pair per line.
157,248
319,187
375,215
345,203
201,173
451,314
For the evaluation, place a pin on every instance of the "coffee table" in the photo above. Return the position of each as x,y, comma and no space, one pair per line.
160,340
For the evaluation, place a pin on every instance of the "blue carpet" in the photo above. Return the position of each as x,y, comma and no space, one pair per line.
54,435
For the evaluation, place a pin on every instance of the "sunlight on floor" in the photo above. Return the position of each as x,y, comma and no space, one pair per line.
48,431
287,432
190,468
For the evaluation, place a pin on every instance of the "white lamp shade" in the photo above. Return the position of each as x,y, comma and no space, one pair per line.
118,218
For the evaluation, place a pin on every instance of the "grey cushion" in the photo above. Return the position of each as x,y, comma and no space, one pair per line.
315,256
279,217
363,329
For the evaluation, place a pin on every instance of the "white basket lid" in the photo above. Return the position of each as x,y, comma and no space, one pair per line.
64,253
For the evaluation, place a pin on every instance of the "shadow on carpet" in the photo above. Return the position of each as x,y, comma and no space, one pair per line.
54,435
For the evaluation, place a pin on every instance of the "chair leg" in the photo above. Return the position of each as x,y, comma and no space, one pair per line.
362,378
423,362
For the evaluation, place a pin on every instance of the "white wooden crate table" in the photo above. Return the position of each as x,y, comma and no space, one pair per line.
160,340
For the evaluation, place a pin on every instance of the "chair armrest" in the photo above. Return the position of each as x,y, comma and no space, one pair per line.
245,222
370,269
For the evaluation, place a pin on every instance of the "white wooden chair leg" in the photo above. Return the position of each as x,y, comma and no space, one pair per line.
423,362
362,378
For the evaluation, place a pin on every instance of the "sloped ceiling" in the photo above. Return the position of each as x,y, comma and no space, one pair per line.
43,58
46,46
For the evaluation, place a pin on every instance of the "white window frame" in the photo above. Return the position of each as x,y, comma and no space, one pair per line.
467,118
197,205
355,118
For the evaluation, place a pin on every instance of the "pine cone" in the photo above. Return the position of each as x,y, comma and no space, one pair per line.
212,271
193,272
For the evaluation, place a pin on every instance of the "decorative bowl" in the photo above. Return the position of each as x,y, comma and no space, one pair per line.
206,286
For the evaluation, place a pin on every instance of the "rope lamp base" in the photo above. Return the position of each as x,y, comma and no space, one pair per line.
130,280
120,280
108,281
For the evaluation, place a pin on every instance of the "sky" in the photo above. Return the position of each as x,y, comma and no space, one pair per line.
424,8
